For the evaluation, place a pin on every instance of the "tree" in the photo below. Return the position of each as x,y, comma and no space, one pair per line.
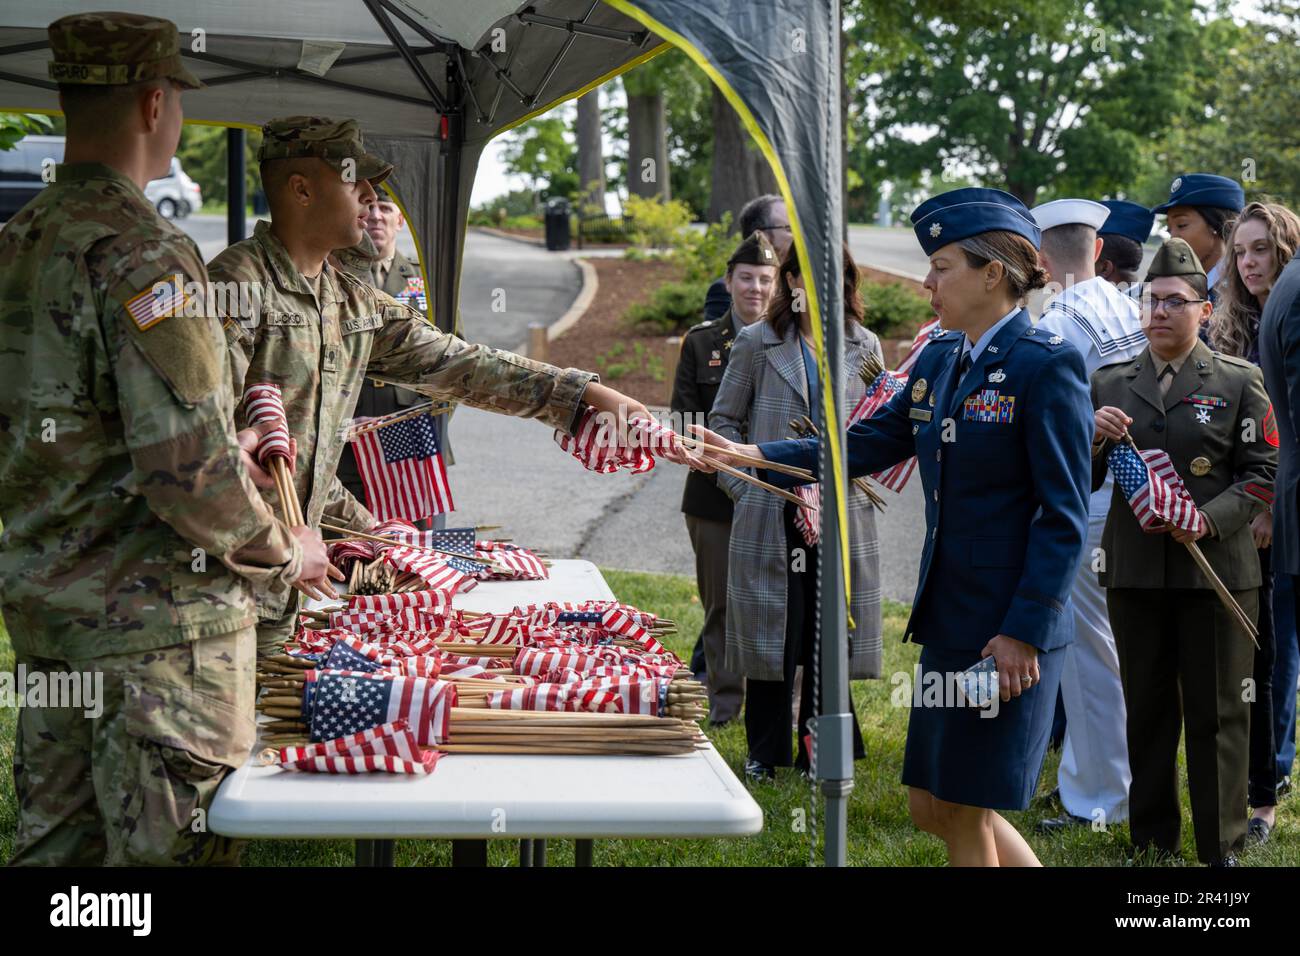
542,152
1061,93
591,152
202,152
1241,117
740,171
14,126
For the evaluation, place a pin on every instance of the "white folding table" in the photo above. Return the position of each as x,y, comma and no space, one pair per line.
471,798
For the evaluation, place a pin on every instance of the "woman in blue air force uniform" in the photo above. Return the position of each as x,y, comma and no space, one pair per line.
1000,419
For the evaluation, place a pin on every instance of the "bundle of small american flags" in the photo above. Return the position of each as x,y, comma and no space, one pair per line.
1154,489
601,446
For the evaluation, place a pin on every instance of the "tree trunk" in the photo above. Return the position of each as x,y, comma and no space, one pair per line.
591,154
647,146
739,170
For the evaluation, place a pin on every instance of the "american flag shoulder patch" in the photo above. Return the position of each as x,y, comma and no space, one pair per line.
163,298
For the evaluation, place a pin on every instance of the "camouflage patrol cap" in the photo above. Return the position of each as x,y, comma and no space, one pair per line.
113,49
1175,258
335,141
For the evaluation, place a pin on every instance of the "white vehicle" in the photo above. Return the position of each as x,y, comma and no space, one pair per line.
175,195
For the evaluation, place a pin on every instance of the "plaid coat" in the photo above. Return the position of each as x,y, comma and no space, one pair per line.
765,386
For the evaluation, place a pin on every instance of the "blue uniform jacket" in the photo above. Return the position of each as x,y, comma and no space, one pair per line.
1005,461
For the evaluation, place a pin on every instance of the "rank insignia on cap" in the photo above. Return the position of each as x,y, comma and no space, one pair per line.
1175,185
163,299
935,230
997,376
918,389
1200,466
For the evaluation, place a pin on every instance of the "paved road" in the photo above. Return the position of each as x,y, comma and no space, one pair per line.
505,285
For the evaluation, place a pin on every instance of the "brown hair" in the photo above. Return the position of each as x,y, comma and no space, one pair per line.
782,312
1236,320
101,109
1024,271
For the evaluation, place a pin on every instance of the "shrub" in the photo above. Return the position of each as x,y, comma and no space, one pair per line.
892,307
656,223
674,306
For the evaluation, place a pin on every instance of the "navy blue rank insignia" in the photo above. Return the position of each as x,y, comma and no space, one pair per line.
989,406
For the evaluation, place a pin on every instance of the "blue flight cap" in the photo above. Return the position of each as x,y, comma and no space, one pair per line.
1130,219
962,213
1204,189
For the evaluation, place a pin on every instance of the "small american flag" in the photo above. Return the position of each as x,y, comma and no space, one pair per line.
389,748
806,520
520,564
599,446
402,470
886,385
341,706
1154,489
568,698
923,336
439,573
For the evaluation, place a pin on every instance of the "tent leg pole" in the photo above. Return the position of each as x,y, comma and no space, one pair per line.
235,193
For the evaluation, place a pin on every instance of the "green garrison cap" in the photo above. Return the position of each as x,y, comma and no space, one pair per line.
755,250
337,142
113,49
1175,258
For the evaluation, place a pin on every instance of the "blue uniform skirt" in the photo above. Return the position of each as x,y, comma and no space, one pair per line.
961,757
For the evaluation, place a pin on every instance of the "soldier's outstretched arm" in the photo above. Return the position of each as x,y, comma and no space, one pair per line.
177,420
409,351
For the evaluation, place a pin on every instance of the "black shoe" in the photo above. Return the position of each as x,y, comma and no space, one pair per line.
1229,860
1258,831
1066,821
759,772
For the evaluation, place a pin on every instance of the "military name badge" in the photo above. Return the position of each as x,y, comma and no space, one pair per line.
1200,466
918,389
989,406
162,300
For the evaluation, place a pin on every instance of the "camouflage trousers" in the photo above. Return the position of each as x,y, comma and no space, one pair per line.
132,787
273,632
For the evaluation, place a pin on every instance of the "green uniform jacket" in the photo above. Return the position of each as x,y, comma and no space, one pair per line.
129,521
706,349
319,355
1215,410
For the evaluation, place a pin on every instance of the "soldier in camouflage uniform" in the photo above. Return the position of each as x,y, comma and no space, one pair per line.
132,531
318,332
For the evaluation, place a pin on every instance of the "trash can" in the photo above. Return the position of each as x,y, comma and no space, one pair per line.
557,224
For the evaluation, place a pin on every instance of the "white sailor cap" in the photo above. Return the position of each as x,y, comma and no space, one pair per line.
1066,212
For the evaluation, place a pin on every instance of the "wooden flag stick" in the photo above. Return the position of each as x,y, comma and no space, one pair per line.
758,483
793,471
415,411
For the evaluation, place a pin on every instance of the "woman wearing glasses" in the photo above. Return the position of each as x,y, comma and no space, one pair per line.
1263,240
1184,661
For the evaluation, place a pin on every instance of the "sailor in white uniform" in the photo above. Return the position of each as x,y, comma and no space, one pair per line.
1104,324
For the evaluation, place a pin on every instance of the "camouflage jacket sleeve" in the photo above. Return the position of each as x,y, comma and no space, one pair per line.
342,508
409,351
173,389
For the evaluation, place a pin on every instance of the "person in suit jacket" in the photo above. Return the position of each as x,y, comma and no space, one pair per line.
386,269
1263,240
998,417
706,350
771,379
1184,661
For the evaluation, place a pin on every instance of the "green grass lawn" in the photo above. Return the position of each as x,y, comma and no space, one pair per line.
880,832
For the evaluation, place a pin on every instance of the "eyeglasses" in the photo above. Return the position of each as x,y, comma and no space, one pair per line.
776,228
1173,304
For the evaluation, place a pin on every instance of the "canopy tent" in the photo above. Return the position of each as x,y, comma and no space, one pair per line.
431,82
